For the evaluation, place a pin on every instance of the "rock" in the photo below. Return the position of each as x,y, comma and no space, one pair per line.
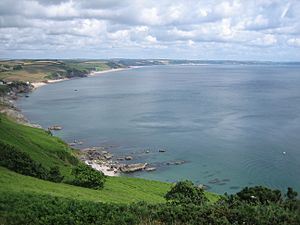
149,169
72,144
128,158
55,127
108,156
178,162
147,151
133,167
161,150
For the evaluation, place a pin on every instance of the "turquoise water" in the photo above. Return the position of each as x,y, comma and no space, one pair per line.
230,123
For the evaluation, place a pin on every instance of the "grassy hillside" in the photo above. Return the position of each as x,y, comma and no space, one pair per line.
116,189
38,144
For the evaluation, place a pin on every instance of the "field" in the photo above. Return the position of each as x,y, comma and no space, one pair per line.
41,70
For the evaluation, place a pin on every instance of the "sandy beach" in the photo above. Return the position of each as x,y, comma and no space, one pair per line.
40,84
94,73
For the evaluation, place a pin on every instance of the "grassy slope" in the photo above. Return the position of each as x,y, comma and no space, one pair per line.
117,189
44,148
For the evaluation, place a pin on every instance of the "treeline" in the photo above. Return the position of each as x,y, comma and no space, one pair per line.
15,87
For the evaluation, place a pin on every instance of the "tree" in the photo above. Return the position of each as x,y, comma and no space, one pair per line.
17,67
291,194
86,176
185,192
259,194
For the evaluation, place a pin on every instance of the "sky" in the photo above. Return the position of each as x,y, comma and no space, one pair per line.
266,30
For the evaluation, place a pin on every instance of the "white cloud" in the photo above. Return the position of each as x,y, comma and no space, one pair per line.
166,26
294,42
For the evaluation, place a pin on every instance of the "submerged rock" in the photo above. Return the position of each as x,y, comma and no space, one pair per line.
128,158
149,169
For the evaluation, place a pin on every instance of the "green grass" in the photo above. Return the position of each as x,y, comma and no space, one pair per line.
116,189
48,150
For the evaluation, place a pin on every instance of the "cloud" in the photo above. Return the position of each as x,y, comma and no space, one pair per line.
294,42
128,28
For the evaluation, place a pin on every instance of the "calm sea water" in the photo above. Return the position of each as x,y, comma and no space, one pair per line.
230,123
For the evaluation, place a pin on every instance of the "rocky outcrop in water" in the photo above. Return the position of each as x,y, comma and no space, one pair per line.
129,168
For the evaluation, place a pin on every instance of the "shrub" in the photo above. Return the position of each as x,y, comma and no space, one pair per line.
86,176
20,162
17,67
54,175
259,194
184,192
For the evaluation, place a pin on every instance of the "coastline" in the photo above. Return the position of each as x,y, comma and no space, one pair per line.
9,108
91,74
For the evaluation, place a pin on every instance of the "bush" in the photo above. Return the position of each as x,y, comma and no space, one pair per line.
86,176
17,67
20,162
259,194
54,175
184,192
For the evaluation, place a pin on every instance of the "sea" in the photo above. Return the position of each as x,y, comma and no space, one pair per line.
222,126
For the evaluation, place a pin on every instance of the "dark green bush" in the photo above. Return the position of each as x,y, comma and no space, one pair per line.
185,192
17,67
259,194
86,176
20,162
55,175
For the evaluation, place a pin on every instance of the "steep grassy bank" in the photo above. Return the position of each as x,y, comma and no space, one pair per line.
39,145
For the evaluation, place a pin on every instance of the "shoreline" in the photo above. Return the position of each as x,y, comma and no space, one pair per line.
10,109
91,74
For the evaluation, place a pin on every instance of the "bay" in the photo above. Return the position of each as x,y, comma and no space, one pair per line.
232,125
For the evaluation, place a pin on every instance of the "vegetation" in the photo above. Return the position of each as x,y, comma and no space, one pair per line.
42,148
21,162
32,208
184,192
40,70
85,176
123,190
